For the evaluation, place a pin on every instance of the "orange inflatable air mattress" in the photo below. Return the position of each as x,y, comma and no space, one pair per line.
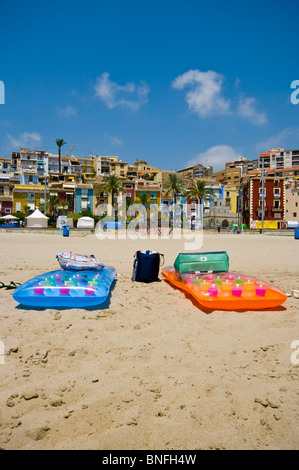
227,290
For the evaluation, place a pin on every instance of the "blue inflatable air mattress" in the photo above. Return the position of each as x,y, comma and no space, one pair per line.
66,289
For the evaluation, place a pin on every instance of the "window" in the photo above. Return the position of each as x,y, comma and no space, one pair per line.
276,204
7,210
294,214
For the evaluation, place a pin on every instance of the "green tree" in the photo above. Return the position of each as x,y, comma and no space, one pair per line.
175,185
59,143
144,200
27,209
112,185
200,191
52,204
65,207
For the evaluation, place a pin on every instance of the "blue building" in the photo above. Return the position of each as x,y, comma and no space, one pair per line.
84,198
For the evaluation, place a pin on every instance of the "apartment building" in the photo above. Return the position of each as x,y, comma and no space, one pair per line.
244,164
273,207
69,165
6,186
27,196
292,200
279,158
231,176
102,164
196,171
88,168
148,188
144,169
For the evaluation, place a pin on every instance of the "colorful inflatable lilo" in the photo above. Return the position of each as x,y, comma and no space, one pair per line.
67,289
227,290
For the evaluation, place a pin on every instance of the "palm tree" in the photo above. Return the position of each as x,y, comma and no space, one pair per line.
59,143
53,203
112,185
200,191
175,185
65,207
144,200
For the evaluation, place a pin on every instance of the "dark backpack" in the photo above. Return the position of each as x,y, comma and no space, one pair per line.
146,266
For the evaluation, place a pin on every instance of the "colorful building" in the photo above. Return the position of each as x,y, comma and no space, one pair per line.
292,200
27,197
84,198
150,189
272,210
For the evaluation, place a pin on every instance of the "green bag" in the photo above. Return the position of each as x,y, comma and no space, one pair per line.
216,261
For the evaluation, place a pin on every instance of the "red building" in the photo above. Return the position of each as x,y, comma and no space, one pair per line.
274,200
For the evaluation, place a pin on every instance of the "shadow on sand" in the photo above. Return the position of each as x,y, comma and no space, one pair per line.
209,311
105,305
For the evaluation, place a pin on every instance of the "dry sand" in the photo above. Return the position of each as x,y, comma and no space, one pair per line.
151,371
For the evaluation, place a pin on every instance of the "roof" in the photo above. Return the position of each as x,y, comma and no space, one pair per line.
37,215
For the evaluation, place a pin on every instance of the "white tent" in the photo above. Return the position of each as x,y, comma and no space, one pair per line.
9,217
37,220
85,222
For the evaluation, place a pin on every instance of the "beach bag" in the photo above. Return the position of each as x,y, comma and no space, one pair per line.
146,266
74,262
216,261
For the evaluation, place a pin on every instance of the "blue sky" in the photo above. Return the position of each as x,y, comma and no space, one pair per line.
172,82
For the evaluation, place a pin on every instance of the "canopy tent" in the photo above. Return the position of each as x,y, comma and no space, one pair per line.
37,220
9,217
85,222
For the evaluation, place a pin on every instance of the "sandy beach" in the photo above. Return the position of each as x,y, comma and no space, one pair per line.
150,371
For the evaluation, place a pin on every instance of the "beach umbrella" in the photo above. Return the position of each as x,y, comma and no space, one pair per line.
9,217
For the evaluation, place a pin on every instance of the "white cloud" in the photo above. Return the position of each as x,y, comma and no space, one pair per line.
205,89
116,141
113,95
25,139
216,156
205,97
67,111
290,134
247,110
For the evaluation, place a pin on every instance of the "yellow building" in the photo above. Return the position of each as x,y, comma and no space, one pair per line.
27,195
118,168
153,191
230,176
88,167
144,169
231,198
